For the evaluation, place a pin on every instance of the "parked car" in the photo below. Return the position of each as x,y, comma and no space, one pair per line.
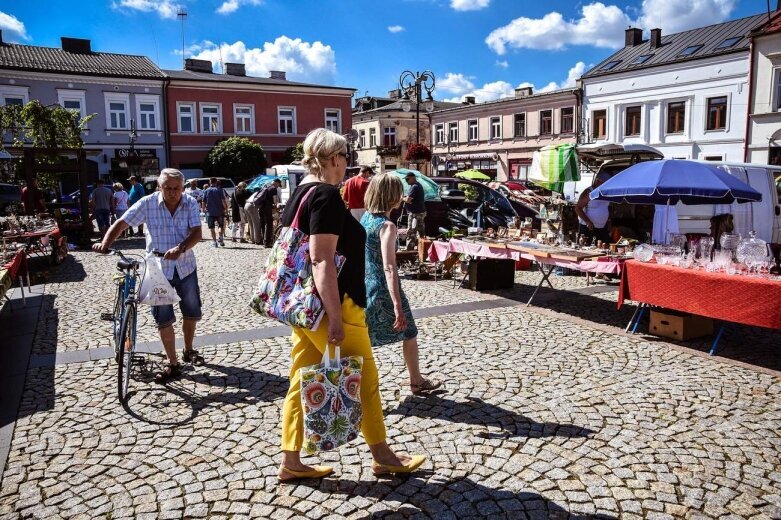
10,194
228,185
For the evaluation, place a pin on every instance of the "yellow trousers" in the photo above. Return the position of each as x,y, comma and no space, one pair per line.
308,348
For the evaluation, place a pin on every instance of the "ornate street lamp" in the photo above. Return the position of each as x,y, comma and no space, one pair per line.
413,84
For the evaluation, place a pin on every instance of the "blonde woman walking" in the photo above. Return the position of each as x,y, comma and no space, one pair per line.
332,229
388,312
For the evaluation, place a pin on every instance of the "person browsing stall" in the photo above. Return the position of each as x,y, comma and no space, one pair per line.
265,202
355,192
415,204
593,215
33,199
135,194
174,227
216,203
102,205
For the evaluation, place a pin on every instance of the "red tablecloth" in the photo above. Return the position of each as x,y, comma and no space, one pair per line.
739,299
17,266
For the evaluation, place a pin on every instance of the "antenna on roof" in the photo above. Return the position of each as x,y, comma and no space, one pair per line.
182,14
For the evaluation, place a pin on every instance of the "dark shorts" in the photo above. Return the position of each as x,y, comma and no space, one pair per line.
219,220
190,293
597,233
103,216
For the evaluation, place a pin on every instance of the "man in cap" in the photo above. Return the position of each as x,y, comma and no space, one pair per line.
415,205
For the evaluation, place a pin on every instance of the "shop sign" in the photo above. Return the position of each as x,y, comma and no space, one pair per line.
122,153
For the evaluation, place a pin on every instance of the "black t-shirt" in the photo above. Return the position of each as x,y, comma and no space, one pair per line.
325,214
418,202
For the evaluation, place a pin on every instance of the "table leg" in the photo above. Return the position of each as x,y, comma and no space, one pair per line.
544,279
639,317
20,279
632,320
718,338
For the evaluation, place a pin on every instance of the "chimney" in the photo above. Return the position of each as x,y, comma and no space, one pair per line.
235,69
396,93
634,36
656,38
469,100
523,92
76,45
197,65
277,74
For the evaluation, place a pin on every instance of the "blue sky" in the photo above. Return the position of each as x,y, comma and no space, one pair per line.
474,47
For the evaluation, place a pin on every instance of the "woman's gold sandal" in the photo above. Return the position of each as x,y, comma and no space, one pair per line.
315,472
387,469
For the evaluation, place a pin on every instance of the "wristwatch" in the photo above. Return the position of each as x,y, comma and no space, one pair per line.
182,248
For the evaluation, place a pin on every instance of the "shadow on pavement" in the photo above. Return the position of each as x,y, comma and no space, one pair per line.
180,402
475,411
461,496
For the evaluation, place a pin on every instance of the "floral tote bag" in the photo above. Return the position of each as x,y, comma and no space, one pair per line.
331,399
286,290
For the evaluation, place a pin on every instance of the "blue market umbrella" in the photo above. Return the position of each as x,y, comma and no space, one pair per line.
260,181
672,181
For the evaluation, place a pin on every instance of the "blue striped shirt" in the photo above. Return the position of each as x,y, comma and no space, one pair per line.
166,231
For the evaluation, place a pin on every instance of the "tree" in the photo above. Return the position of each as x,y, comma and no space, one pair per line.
293,154
236,157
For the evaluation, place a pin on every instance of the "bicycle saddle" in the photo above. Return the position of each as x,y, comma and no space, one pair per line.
124,265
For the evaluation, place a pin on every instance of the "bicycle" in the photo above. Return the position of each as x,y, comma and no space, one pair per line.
125,318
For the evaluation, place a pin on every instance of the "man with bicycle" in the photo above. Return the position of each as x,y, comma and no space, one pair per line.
173,226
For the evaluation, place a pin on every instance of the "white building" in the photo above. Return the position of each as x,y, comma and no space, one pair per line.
685,93
763,137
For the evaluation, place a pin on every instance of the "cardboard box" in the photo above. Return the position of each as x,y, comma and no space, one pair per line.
679,325
488,274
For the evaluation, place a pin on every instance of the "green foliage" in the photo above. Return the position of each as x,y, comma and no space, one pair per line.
43,126
236,157
470,192
294,153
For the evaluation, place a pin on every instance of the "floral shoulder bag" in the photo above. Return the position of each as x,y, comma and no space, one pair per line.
286,290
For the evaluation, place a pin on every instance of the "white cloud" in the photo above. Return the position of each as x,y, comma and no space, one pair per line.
303,61
488,92
164,8
469,5
455,83
395,28
603,25
573,74
502,63
230,6
13,25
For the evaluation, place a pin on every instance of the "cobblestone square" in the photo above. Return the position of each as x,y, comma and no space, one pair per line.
548,411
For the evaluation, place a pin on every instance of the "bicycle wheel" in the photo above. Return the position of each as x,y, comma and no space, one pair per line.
127,349
117,324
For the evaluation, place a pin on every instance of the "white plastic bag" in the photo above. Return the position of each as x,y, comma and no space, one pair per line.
155,288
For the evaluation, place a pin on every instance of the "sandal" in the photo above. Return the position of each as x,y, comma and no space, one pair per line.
172,371
192,356
426,386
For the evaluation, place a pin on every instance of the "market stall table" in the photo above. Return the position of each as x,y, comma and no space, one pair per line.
749,300
15,269
42,242
440,250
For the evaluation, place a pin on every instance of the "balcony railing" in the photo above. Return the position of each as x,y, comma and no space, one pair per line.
384,151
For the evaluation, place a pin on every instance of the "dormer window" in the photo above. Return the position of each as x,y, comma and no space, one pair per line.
729,42
642,59
691,49
610,65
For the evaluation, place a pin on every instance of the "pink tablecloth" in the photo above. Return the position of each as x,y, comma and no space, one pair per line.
440,250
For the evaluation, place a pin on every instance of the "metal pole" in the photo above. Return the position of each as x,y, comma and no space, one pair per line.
417,111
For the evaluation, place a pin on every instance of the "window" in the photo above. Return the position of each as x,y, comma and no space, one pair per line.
567,120
389,136
13,95
185,113
729,42
439,134
599,124
362,138
452,132
242,119
72,100
691,49
546,122
632,121
372,137
676,114
210,119
118,111
286,116
472,125
147,108
519,125
778,89
713,158
610,65
332,117
642,59
717,113
496,127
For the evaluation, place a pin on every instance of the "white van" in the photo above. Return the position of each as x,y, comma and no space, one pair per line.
290,175
763,217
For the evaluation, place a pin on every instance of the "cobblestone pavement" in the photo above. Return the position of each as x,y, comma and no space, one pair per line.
549,412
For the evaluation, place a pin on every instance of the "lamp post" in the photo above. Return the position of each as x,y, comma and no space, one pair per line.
413,83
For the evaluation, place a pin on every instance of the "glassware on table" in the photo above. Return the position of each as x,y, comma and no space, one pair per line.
679,241
643,252
729,242
686,261
706,248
